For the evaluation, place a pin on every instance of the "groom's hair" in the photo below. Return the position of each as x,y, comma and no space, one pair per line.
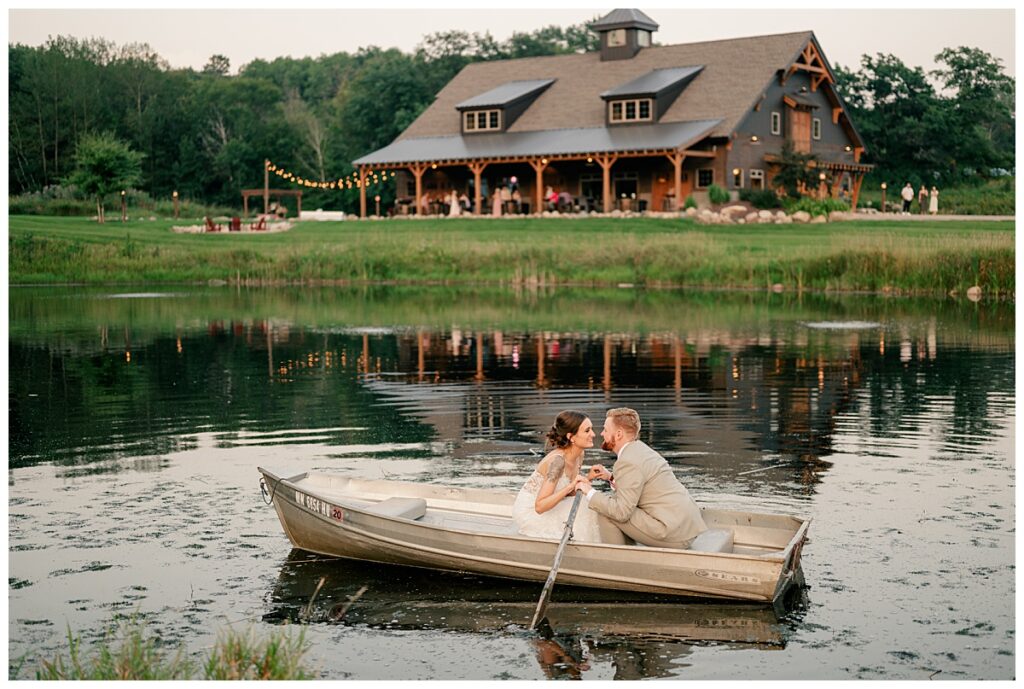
627,419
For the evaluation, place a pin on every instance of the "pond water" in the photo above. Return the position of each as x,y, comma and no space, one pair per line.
138,417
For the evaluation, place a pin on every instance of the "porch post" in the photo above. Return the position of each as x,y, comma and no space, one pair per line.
606,163
362,191
417,172
477,169
856,191
538,166
677,164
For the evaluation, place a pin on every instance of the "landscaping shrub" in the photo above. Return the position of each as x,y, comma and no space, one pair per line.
689,203
816,206
717,194
761,198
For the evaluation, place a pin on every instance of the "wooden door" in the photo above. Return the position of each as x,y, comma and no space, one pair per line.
800,130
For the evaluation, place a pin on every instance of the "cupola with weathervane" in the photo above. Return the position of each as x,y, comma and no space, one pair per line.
623,33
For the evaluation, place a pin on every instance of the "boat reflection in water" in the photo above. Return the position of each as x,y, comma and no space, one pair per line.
642,636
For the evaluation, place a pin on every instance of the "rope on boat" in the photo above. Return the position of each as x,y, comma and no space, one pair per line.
268,497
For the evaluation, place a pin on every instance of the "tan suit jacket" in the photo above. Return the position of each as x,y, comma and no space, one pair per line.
649,500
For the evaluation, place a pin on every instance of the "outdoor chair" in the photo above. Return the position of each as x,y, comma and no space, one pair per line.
212,226
258,226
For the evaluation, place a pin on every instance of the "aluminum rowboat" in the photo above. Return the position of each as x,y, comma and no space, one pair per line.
471,530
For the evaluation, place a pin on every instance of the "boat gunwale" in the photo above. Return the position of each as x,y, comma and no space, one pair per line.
775,558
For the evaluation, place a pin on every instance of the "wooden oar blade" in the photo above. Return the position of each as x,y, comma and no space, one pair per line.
545,595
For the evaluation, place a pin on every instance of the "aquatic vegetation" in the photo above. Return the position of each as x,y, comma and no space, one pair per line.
128,651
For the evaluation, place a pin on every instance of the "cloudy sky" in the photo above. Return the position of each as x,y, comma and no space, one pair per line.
187,37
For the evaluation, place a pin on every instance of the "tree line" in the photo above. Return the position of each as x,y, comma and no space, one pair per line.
205,133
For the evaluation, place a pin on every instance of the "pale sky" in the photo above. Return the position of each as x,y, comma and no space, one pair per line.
188,37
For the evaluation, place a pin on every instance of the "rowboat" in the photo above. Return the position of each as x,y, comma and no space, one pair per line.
744,556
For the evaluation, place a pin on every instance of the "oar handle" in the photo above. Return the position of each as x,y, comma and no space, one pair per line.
545,595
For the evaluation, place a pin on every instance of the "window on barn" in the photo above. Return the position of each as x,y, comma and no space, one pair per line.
637,110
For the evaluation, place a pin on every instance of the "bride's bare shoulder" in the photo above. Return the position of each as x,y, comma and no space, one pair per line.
545,464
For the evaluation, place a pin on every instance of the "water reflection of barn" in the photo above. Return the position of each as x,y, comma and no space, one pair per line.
726,399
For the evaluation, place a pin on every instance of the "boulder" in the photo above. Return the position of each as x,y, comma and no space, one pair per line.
730,210
838,215
974,293
764,215
690,212
780,214
784,220
801,216
818,219
751,217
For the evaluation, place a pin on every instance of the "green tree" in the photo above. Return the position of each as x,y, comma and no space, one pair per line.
218,65
980,109
795,172
104,164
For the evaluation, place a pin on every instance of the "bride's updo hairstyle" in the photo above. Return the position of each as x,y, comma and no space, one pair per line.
567,423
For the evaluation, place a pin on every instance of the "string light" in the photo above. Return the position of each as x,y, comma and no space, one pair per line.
369,178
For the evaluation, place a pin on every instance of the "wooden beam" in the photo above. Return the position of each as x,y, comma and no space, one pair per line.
606,163
538,167
857,150
417,172
856,191
836,112
699,154
677,166
362,191
477,169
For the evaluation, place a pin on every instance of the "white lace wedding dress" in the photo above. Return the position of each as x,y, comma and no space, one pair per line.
551,524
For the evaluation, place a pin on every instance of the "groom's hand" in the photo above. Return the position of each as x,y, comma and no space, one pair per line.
598,471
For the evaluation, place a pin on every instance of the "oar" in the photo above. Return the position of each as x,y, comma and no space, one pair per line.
545,595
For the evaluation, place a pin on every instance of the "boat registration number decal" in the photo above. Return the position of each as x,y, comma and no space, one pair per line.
727,576
318,506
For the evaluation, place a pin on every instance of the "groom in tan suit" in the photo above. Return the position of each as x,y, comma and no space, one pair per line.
649,504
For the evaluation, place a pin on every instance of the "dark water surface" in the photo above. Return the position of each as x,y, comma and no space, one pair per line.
137,421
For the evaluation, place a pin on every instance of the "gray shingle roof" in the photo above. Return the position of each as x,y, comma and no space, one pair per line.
509,92
736,73
653,82
621,19
545,142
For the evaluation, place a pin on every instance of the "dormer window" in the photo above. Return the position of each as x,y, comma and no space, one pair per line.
646,98
638,110
482,120
497,109
643,39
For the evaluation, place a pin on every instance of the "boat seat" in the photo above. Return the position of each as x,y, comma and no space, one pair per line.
401,508
713,541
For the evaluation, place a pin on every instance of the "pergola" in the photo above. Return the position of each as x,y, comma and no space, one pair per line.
265,194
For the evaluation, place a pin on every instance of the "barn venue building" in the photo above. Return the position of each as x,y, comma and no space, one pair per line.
633,126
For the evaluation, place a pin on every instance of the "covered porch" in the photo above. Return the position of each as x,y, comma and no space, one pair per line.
597,169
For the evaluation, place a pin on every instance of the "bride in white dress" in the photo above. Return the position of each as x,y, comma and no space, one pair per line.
542,506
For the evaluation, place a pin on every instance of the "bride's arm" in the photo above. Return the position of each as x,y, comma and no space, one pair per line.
547,496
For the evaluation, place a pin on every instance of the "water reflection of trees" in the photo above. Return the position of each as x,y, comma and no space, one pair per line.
727,394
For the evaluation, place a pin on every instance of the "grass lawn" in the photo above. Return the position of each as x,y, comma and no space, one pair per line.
871,255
